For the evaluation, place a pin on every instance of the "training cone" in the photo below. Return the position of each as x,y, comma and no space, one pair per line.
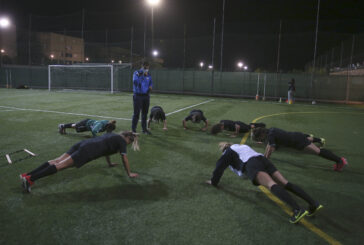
257,97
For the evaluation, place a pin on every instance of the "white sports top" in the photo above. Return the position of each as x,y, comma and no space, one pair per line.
245,152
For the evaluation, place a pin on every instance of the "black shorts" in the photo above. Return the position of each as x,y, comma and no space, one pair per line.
258,164
78,155
300,141
81,126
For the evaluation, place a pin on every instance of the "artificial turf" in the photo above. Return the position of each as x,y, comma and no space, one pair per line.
170,203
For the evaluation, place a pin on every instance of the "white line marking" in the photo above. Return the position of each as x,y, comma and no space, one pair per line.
66,113
8,158
6,110
29,152
207,101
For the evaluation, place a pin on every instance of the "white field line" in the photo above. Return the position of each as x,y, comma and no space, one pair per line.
185,108
6,110
65,113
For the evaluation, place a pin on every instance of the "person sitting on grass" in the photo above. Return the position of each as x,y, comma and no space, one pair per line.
89,125
243,160
157,114
83,152
234,126
195,116
275,137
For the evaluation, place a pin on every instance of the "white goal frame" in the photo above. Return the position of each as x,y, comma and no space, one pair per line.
83,66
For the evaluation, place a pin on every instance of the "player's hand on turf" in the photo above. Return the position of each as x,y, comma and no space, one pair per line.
185,128
208,182
233,135
133,175
113,164
165,129
203,129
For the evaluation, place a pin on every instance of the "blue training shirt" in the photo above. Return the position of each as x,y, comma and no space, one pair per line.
141,82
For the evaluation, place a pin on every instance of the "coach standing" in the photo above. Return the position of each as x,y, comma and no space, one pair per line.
142,85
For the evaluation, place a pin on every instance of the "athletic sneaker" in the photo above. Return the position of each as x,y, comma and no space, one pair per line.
147,132
61,129
312,210
27,183
323,141
340,165
298,214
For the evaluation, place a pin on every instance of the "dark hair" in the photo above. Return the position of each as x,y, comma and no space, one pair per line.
260,134
196,117
110,126
159,116
216,128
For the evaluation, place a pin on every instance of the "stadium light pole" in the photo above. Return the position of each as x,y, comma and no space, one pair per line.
152,4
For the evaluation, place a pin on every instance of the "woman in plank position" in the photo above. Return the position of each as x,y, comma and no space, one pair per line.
243,160
84,152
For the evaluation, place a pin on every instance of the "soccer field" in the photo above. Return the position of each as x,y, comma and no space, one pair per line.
170,203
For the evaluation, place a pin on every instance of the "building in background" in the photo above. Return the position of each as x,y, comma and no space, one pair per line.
58,48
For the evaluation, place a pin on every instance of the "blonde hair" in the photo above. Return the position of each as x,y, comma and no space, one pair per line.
133,137
224,145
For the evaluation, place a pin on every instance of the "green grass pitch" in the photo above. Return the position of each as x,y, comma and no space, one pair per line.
169,202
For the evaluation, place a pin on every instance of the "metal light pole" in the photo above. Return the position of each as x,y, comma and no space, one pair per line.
314,52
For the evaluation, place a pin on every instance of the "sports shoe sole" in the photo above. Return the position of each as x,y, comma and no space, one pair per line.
26,185
299,218
315,212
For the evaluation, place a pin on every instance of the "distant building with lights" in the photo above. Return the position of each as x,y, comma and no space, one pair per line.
59,48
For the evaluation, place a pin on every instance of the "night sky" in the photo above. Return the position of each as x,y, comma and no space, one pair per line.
251,27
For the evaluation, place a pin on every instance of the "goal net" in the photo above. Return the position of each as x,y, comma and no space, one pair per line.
84,77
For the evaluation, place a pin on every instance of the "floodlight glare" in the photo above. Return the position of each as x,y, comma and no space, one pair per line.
245,68
87,59
112,61
153,2
2,51
51,56
240,64
210,67
4,22
202,64
155,53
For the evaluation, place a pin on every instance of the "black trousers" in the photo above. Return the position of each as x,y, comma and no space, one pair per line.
141,104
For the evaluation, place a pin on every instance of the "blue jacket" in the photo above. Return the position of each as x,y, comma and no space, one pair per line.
141,82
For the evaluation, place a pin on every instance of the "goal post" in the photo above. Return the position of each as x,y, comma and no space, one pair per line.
81,77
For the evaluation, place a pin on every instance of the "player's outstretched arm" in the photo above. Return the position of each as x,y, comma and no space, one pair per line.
268,151
127,167
165,124
109,162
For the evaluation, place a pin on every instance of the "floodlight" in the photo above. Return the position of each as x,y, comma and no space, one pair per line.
210,67
201,64
112,61
245,68
4,22
153,2
2,51
51,56
155,53
240,64
87,59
